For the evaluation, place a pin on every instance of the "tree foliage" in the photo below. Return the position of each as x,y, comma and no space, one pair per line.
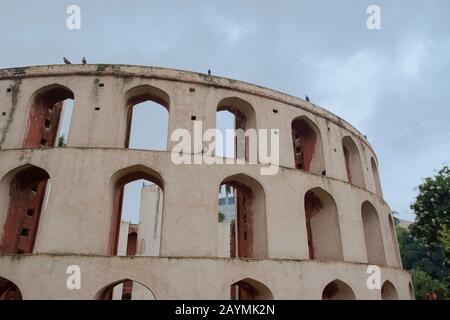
424,284
425,249
432,209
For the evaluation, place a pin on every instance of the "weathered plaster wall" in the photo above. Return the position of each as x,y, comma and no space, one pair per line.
78,214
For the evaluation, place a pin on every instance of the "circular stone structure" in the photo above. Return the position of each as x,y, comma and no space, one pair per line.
313,230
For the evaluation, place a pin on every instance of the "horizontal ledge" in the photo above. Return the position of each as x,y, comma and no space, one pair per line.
16,257
169,152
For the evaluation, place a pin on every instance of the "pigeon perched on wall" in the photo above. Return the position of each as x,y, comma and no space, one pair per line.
307,98
209,72
84,61
66,61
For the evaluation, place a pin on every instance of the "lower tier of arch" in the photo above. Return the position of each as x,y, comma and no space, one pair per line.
52,276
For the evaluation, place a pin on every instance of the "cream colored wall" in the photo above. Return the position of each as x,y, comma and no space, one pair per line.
78,216
123,238
44,276
223,240
150,218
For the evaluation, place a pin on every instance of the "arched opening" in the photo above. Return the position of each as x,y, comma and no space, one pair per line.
49,117
9,291
125,290
395,247
338,290
242,233
234,118
376,177
137,212
27,192
249,289
307,143
322,224
388,291
412,295
147,111
353,164
372,234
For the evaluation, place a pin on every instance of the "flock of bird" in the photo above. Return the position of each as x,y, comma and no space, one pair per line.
84,61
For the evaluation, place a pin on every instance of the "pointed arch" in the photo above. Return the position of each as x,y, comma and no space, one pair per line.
353,163
118,182
388,291
44,118
307,144
372,234
395,247
9,290
27,192
126,289
338,290
376,177
134,98
412,295
322,224
250,289
248,235
244,119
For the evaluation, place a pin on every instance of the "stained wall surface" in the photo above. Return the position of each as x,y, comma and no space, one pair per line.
75,221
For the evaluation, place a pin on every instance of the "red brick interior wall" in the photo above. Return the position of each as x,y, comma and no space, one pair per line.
243,291
27,192
304,140
244,222
312,206
44,118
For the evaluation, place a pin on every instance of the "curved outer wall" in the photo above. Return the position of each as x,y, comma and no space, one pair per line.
74,227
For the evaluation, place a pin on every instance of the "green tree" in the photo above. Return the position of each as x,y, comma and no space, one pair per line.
425,248
432,209
423,284
62,141
415,255
445,240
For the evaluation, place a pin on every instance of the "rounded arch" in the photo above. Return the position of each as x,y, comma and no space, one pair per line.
353,165
125,289
9,290
376,177
136,96
372,235
307,144
117,183
338,290
322,224
23,192
388,291
250,289
44,115
249,236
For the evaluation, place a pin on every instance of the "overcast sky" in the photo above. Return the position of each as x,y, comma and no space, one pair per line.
392,84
